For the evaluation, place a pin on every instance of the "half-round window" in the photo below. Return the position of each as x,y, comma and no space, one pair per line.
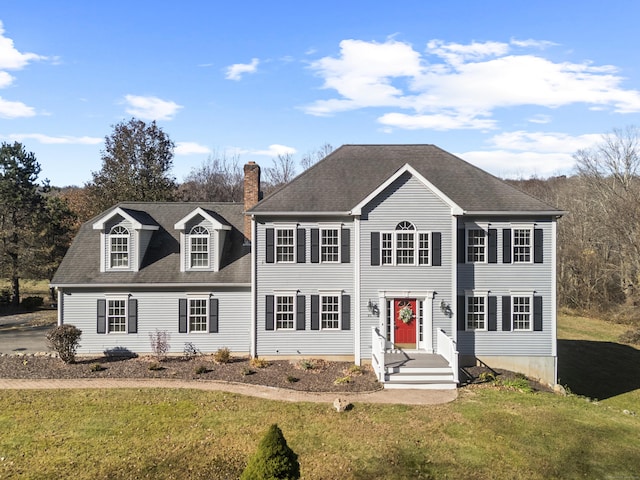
405,226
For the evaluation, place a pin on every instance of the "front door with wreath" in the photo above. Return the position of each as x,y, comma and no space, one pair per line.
405,322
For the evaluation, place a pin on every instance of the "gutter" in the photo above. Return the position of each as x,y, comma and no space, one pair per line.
147,285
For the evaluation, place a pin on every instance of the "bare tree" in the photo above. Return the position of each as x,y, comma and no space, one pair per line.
610,172
218,179
311,158
282,171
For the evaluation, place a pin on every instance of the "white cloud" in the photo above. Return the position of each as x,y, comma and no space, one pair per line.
151,108
49,140
10,57
235,71
522,154
190,148
9,109
456,85
540,119
272,151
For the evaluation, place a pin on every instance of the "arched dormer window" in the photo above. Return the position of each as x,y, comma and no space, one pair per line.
405,246
199,247
119,247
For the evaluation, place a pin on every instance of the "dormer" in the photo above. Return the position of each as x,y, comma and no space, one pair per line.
202,235
124,237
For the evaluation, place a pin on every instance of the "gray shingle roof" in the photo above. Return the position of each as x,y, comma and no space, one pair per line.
161,264
347,176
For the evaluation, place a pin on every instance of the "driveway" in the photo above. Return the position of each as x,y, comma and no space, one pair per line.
20,334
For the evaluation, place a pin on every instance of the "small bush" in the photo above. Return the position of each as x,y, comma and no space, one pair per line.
521,384
5,296
64,339
247,371
486,377
155,366
200,369
223,355
190,351
273,459
631,336
305,364
96,367
31,303
292,379
258,362
342,380
159,344
355,370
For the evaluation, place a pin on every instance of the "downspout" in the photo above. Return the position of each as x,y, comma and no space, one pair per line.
253,326
60,306
357,350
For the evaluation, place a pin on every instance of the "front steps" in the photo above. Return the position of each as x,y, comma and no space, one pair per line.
409,370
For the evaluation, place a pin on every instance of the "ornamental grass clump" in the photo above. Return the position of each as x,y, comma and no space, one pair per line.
64,340
273,459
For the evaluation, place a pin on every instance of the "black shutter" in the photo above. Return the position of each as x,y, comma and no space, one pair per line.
492,314
375,248
269,312
506,245
213,315
461,313
270,245
537,314
182,315
300,245
506,313
346,312
300,312
315,245
436,249
345,245
462,252
538,245
492,242
132,316
102,316
315,312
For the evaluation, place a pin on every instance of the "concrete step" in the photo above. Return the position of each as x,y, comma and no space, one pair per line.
419,370
421,385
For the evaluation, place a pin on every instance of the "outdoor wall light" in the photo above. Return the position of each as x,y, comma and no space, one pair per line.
373,308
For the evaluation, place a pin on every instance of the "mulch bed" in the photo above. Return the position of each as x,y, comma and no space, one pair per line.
293,375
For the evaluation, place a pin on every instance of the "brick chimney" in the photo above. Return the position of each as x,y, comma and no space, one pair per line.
251,193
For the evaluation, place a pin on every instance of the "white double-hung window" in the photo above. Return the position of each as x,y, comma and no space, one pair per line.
199,239
119,247
405,246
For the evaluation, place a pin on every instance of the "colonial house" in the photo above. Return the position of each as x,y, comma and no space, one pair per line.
402,256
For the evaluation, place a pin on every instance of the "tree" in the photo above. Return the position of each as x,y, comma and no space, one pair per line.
21,205
611,173
55,235
282,171
136,164
311,158
273,460
218,179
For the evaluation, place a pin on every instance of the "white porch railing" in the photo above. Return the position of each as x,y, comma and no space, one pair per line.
449,350
378,348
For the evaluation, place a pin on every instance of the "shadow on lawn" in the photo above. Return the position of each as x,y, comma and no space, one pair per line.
598,370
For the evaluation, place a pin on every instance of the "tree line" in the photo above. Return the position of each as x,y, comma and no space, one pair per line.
598,241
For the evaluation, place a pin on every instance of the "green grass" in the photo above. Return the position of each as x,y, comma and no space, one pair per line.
488,433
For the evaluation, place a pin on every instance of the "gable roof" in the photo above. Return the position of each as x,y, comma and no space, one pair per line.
345,178
161,262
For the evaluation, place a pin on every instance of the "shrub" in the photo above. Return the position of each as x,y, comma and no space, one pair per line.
5,296
305,364
247,371
223,355
200,369
273,459
190,351
630,336
159,344
258,362
31,303
342,380
64,339
155,366
355,370
95,367
292,379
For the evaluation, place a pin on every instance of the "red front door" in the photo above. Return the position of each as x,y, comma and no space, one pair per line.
405,320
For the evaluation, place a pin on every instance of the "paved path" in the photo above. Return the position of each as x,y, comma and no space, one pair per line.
405,397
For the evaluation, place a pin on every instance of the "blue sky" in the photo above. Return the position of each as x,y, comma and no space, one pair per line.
513,87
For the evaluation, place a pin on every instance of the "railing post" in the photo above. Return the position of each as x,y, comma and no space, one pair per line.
378,343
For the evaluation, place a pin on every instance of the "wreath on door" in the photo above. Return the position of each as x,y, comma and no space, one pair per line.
405,314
